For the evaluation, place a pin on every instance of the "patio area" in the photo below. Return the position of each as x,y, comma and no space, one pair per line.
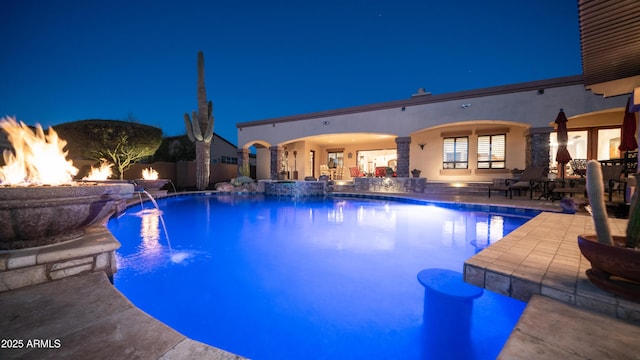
85,316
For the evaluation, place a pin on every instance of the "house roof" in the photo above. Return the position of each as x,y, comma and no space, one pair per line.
610,42
427,99
215,136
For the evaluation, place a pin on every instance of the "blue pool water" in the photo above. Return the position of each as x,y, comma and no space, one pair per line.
327,278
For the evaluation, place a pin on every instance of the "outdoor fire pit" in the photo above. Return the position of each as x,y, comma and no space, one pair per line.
151,185
40,204
42,215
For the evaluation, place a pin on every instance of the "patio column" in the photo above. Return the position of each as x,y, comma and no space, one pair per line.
538,147
403,156
276,152
243,158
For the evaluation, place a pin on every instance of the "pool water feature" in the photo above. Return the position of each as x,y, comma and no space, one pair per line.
321,278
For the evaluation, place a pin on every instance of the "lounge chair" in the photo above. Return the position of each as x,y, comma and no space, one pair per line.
528,180
500,185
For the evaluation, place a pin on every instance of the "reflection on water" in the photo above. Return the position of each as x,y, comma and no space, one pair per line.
151,253
489,229
150,231
342,225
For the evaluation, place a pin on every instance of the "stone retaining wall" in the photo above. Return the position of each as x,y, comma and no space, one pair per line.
294,189
391,184
94,252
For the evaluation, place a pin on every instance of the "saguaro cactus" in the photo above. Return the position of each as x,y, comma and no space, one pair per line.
202,119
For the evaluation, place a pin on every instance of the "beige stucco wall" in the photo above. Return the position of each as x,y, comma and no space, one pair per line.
424,123
263,163
522,107
429,159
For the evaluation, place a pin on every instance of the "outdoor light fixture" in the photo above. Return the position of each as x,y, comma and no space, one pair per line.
465,106
422,146
541,91
402,108
326,122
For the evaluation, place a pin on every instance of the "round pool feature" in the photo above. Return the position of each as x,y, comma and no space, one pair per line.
447,314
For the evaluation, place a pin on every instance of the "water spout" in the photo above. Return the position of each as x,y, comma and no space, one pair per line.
174,187
177,257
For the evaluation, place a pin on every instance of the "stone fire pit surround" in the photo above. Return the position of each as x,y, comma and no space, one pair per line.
34,216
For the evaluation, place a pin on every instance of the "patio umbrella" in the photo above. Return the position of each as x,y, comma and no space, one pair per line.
562,156
628,140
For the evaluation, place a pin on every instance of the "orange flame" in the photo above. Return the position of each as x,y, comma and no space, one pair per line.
36,158
101,173
150,174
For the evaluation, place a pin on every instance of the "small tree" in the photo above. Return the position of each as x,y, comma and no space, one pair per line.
176,148
119,142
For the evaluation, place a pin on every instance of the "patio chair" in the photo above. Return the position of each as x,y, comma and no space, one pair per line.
613,180
528,180
630,162
578,167
339,171
355,172
381,171
569,186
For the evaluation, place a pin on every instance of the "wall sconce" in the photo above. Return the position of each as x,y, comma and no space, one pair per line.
326,122
465,106
422,146
403,108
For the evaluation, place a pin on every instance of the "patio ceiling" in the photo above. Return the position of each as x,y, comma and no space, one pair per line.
349,138
610,41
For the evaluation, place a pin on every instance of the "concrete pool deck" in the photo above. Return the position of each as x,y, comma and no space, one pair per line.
85,317
102,323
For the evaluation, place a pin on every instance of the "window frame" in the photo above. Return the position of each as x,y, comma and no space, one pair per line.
337,155
456,163
491,161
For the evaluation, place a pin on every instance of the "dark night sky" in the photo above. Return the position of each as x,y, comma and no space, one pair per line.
70,60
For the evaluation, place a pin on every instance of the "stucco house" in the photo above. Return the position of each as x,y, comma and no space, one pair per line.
468,136
445,136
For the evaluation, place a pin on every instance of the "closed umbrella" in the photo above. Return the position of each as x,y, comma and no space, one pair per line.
628,140
562,156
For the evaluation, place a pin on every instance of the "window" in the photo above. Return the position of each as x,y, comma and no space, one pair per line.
577,147
491,151
335,158
229,160
455,153
369,160
608,142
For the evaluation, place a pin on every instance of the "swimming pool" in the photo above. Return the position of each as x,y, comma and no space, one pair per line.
323,278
